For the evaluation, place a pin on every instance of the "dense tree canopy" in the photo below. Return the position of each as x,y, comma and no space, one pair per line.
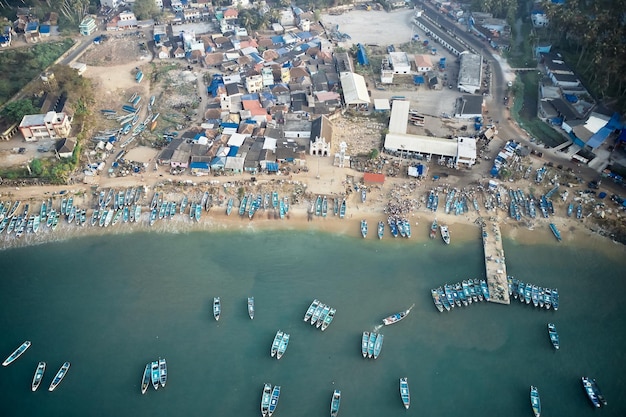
594,31
146,9
504,9
14,112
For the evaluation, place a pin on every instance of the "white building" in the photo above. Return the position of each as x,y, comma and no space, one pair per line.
51,125
354,90
400,62
423,63
321,136
470,72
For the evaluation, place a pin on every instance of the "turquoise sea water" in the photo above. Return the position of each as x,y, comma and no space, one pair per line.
110,304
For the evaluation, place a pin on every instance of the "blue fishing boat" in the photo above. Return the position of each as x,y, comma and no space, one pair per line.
534,295
378,345
335,206
381,229
335,403
328,319
229,206
443,298
276,343
555,231
59,376
393,228
370,345
554,336
155,374
342,209
579,212
324,206
535,402
365,340
274,400
404,392
589,390
198,212
555,299
281,209
311,310
17,353
275,199
407,228
242,205
570,209
484,289
318,206
364,228
528,293
282,346
363,194
449,295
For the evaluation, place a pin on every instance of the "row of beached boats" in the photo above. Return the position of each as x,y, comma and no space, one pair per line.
319,315
279,345
460,294
398,226
40,370
217,308
155,374
321,205
530,293
251,204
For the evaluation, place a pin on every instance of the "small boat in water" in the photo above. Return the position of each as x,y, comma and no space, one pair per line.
317,313
311,310
282,347
364,228
554,336
445,234
436,299
276,343
378,345
274,400
555,232
555,299
322,316
590,389
265,399
41,368
404,392
162,372
394,318
59,376
251,307
365,340
535,402
145,379
335,402
328,319
155,374
370,345
217,308
17,353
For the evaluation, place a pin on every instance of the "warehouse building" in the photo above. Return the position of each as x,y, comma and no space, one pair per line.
470,72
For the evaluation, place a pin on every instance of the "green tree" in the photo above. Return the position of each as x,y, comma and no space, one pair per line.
16,110
145,9
36,167
373,153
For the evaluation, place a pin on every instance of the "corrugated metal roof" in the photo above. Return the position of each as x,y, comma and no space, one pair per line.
399,119
421,144
354,88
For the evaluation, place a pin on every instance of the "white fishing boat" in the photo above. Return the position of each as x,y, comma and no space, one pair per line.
59,376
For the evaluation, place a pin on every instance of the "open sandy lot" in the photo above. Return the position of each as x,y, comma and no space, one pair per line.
373,27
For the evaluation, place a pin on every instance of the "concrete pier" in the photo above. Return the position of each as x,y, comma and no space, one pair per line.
495,267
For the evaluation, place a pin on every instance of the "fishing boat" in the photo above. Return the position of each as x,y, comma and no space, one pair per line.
276,343
535,402
547,298
555,231
342,209
378,345
445,234
363,194
588,387
41,368
153,216
198,212
370,345
59,376
596,390
318,205
365,340
282,347
324,206
274,400
126,214
251,307
433,229
108,218
484,288
36,223
534,295
217,308
282,209
311,310
274,199
436,300
17,353
466,291
404,392
265,399
242,205
570,209
328,319
155,374
117,217
137,213
145,379
364,228
335,403
335,206
229,206
407,228
555,299
317,313
322,316
400,226
449,294
394,318
528,291
554,336
381,229
443,299
162,372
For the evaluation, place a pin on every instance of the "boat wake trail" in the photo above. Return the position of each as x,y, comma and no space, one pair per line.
377,327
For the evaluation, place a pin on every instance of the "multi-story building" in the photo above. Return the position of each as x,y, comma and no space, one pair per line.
51,125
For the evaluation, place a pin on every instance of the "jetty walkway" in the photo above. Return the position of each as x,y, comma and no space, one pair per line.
495,267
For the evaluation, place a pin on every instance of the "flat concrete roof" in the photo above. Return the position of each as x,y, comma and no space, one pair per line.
470,69
399,119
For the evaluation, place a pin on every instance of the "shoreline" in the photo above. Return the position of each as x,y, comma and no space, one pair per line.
463,228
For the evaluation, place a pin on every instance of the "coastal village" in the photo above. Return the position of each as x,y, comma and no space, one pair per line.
202,125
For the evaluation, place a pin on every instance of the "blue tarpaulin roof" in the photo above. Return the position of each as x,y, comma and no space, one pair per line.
272,166
44,29
229,124
157,37
418,79
277,40
252,96
233,151
599,137
199,165
571,98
